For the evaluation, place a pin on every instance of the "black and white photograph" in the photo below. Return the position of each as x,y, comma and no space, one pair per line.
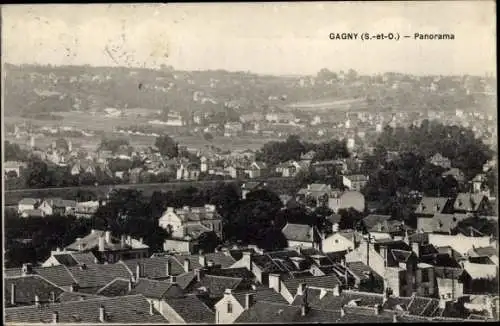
249,163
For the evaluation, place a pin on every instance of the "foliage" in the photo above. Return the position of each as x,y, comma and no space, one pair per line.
350,219
113,145
208,241
13,152
208,136
167,146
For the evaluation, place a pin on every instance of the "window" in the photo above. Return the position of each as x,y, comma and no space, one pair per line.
229,308
336,240
425,275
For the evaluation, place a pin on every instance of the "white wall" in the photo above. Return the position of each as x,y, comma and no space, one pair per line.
336,242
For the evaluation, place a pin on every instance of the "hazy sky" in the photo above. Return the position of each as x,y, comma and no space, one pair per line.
263,38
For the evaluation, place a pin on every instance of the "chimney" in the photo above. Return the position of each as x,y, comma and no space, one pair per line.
73,287
168,268
301,289
187,265
248,300
102,314
342,312
203,260
52,296
275,282
123,241
13,294
395,318
137,271
227,292
96,260
55,317
199,274
247,258
27,269
108,236
141,240
101,243
129,240
58,249
130,285
37,301
210,263
151,308
415,247
303,310
378,309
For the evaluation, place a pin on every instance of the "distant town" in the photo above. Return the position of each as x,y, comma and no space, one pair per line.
164,196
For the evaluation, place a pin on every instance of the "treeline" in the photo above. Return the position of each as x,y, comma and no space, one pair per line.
292,148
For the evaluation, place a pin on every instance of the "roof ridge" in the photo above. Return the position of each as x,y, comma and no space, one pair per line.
111,282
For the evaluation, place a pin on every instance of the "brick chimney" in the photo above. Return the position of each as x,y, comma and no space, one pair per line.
187,265
248,300
13,294
301,289
102,314
107,234
37,301
203,260
199,274
151,308
415,247
27,269
101,243
247,258
123,241
73,287
275,282
168,268
55,317
377,309
52,296
137,271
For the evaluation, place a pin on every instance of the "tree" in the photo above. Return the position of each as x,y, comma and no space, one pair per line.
350,219
113,145
208,241
208,136
167,146
13,152
37,174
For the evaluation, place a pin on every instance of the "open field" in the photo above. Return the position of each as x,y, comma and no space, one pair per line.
12,197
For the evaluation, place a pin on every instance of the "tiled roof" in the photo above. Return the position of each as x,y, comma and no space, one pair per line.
156,289
155,267
431,205
125,309
84,257
186,279
468,201
219,258
91,241
192,309
440,260
392,303
418,305
261,294
216,285
75,296
298,232
372,220
324,282
97,275
267,312
115,288
59,275
26,287
65,259
485,251
361,270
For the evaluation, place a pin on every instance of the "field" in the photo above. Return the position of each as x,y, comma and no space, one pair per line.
12,197
102,124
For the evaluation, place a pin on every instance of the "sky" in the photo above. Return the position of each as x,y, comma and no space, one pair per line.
267,38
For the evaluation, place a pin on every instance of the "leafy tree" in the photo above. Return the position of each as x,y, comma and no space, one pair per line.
167,146
13,152
350,219
208,241
208,136
37,174
113,145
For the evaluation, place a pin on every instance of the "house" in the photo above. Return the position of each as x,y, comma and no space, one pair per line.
280,117
365,278
478,183
290,288
235,172
190,171
176,220
69,258
257,170
251,186
233,304
108,248
11,167
339,241
299,235
456,174
254,117
355,182
86,208
121,310
439,223
29,290
288,169
472,203
188,309
396,262
329,168
232,129
450,282
27,204
490,252
58,206
346,200
91,278
428,206
308,157
460,243
439,160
